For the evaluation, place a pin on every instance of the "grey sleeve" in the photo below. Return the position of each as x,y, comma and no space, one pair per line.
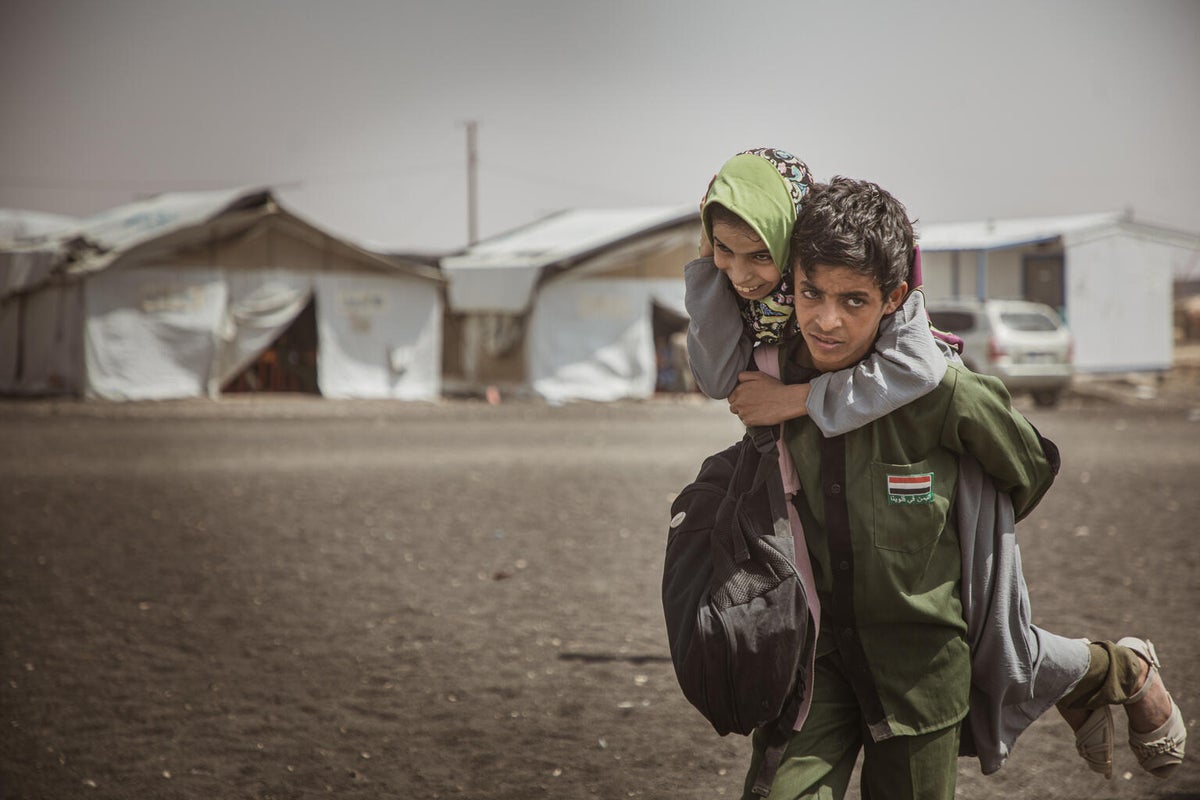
907,363
717,347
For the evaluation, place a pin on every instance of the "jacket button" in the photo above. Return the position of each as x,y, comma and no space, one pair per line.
835,488
843,566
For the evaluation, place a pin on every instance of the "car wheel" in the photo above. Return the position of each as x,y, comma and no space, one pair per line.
1046,398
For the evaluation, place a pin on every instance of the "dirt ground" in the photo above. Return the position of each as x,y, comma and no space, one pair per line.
291,598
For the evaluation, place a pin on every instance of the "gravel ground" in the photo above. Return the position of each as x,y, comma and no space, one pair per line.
288,597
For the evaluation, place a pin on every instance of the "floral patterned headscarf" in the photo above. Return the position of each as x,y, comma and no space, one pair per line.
764,187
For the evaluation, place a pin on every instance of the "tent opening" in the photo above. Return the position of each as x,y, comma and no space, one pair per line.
289,364
670,350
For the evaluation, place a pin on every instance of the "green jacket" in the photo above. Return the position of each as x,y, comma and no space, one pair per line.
901,475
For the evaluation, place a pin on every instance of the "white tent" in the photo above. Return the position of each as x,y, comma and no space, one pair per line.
17,225
576,291
591,337
1109,276
174,296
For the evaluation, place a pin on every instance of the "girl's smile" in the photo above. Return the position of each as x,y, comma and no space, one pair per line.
745,260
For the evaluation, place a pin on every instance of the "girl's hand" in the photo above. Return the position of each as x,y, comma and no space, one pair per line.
760,399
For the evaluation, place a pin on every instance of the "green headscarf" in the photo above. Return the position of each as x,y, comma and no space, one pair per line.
764,187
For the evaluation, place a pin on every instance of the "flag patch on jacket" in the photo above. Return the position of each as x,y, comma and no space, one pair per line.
907,489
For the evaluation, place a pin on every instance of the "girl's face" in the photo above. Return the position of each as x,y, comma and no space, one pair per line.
745,260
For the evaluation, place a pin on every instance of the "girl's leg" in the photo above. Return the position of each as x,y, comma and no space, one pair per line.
1114,675
1121,675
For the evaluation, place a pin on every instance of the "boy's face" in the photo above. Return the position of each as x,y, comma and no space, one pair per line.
745,260
838,312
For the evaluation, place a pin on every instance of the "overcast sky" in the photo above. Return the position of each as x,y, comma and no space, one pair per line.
355,110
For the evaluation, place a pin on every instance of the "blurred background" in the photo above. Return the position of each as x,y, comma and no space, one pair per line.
412,200
356,113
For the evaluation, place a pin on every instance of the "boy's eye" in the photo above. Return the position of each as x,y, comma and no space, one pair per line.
762,258
855,302
808,294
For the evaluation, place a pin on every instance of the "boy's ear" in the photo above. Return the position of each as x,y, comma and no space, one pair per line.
895,298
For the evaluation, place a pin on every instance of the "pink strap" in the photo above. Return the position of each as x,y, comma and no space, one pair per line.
766,356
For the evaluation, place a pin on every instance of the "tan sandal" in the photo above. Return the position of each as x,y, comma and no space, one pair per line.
1094,741
1158,751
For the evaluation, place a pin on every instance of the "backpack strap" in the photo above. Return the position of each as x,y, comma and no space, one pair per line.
778,734
767,474
766,442
841,558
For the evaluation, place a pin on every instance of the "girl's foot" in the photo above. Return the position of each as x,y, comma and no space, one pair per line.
1093,736
1157,734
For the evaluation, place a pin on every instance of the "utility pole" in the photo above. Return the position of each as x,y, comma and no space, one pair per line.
472,194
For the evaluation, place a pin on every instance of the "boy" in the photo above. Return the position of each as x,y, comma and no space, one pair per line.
873,360
893,670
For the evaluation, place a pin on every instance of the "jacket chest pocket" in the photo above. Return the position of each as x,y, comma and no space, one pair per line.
910,503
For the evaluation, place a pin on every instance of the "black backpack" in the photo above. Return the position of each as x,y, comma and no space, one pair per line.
737,618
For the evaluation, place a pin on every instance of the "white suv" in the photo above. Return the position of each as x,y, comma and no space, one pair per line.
1025,345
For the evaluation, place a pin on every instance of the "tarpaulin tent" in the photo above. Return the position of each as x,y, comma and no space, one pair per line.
18,224
173,296
567,303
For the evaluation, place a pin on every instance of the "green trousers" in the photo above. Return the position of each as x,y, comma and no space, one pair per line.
1113,675
820,758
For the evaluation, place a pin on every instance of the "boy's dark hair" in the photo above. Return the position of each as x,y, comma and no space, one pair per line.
855,224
